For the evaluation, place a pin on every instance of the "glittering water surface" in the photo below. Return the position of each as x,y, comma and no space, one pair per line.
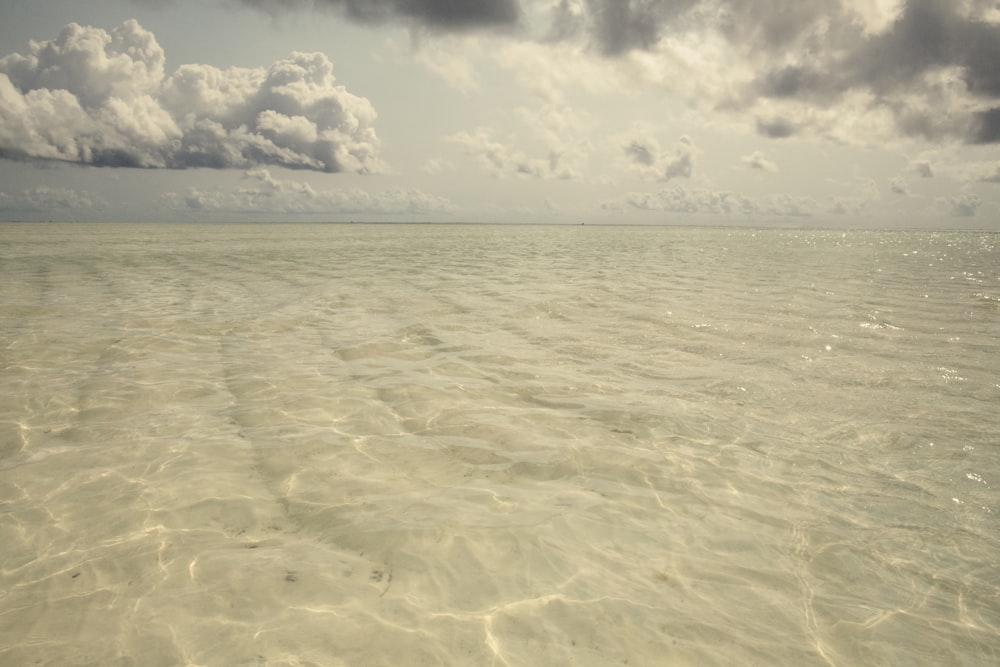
484,445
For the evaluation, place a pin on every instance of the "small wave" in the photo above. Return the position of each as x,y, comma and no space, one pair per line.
880,326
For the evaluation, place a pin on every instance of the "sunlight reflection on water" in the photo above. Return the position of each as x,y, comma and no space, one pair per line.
280,444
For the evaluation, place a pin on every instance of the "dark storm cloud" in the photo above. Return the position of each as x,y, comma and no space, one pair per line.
442,14
817,53
933,34
986,127
926,39
618,26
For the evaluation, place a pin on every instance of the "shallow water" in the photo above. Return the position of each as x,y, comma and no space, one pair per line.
488,445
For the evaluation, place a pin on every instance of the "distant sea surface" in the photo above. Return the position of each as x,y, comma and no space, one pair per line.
498,445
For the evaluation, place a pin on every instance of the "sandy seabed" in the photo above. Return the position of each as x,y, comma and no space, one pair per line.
367,445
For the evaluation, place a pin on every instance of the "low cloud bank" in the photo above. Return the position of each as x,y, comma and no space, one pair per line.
261,192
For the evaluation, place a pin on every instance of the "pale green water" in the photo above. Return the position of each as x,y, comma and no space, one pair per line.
482,445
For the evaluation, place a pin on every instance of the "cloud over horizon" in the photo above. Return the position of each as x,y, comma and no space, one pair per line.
261,193
45,198
103,99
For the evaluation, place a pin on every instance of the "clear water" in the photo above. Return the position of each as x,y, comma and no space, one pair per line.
487,445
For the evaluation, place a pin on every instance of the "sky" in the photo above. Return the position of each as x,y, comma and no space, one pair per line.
827,113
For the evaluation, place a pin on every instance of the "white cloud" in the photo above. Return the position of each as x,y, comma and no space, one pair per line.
561,142
984,172
44,198
645,156
261,192
679,199
549,70
101,98
790,205
701,201
759,162
992,176
453,59
845,205
495,157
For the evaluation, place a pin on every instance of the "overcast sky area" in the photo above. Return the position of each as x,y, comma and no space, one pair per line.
831,113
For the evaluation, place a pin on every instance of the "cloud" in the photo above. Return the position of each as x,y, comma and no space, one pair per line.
701,201
503,160
452,60
647,158
679,199
850,71
923,169
931,66
759,162
44,198
681,165
643,153
435,14
619,26
789,205
559,135
568,20
989,173
261,192
776,128
899,186
103,99
965,205
845,206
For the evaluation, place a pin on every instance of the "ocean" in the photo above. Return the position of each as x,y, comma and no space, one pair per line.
277,444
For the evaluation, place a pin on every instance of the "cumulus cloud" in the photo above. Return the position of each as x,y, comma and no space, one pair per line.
103,98
436,14
503,160
647,158
558,134
261,192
